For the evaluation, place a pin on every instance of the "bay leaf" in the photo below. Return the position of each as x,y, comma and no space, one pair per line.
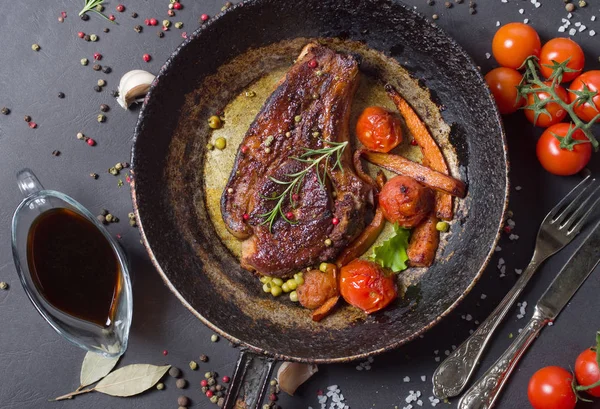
95,367
131,379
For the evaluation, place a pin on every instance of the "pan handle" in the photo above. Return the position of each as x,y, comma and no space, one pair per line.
249,382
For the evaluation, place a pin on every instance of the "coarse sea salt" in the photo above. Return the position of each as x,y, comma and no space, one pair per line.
592,33
572,32
521,11
483,296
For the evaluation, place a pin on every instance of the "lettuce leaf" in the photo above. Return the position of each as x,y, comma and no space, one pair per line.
392,252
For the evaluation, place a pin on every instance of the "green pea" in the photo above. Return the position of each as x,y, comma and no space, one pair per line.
442,226
278,282
285,287
323,267
267,287
214,122
220,143
292,284
276,291
265,279
299,280
294,296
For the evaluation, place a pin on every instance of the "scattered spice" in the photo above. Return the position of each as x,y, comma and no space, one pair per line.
147,57
181,383
138,28
160,34
204,17
153,22
101,83
435,17
183,401
98,88
214,122
134,15
101,219
179,24
32,125
171,13
104,108
250,94
570,7
328,242
86,37
94,175
27,118
582,3
84,61
106,29
3,285
193,365
61,95
91,142
214,338
226,379
120,8
81,34
101,118
177,6
93,37
166,23
203,358
160,386
111,17
165,352
4,111
35,47
55,153
97,67
97,56
85,17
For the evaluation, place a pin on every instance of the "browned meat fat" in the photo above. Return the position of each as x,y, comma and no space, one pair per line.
311,98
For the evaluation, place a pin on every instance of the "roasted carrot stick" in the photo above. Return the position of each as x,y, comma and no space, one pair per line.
436,180
368,235
432,155
325,309
424,242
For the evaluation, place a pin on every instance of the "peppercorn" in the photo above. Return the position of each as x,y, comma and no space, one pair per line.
113,171
207,375
430,2
170,13
120,8
219,394
582,3
328,242
160,34
442,226
109,218
214,122
174,372
221,402
85,17
458,1
226,379
55,153
448,4
177,5
103,212
80,135
218,388
27,118
3,285
101,83
204,389
97,67
147,57
298,118
94,175
181,383
106,29
114,93
84,61
32,125
203,358
193,365
5,111
160,386
93,37
98,88
183,401
209,394
35,47
214,338
204,17
435,17
214,399
179,24
132,222
211,382
138,28
221,143
101,118
106,70
61,95
86,37
272,397
134,15
100,8
104,108
472,10
212,388
111,17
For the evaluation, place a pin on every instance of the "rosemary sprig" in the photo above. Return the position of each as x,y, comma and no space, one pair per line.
532,84
312,157
90,5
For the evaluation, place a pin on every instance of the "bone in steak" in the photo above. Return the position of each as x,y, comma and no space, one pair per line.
310,106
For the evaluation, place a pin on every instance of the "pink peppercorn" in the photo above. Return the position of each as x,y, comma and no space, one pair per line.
272,397
313,63
171,13
209,394
245,216
335,221
97,56
413,143
226,379
153,22
32,125
120,8
184,34
147,57
81,34
119,236
295,197
63,14
91,142
111,17
165,352
244,149
289,215
147,22
204,17
507,229
177,6
204,382
165,28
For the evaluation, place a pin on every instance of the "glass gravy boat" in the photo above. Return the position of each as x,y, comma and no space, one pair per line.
109,340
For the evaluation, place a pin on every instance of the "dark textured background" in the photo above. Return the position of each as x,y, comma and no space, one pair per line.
36,364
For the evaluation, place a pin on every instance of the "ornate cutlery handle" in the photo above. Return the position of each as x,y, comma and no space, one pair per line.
483,394
451,377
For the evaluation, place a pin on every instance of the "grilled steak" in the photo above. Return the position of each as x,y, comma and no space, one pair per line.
310,107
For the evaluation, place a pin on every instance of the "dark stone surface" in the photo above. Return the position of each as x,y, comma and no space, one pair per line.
37,364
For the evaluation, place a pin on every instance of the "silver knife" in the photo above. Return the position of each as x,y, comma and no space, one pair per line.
484,393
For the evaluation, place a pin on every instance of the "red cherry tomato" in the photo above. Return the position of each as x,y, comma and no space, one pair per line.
550,388
367,285
559,50
587,372
588,110
405,201
557,113
562,161
378,129
503,84
513,43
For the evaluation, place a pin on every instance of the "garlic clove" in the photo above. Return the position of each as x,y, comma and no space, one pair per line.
292,374
133,86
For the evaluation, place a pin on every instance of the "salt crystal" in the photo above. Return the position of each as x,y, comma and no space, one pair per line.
504,1
550,324
359,368
582,28
497,24
513,237
471,331
469,317
483,296
423,378
526,21
518,271
498,248
593,18
437,359
538,5
453,347
406,379
511,223
592,33
521,11
518,188
488,55
500,261
569,15
572,32
420,402
447,352
332,387
476,322
577,24
561,29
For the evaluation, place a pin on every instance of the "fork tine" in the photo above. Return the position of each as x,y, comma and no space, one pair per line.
579,221
560,212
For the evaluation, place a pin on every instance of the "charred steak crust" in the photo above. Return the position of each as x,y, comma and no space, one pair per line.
311,105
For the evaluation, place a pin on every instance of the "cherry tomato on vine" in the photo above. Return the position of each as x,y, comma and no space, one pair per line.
557,113
588,110
560,161
587,372
513,43
378,129
550,388
559,50
367,285
503,84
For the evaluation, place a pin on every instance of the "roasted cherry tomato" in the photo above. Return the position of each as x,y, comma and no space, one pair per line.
557,113
513,43
562,161
587,372
405,201
588,110
378,129
503,84
550,388
559,50
366,285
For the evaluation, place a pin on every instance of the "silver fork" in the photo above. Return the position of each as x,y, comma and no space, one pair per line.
556,231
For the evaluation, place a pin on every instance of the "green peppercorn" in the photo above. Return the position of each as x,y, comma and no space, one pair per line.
214,399
93,37
211,381
132,222
179,24
214,122
442,226
80,135
132,216
113,171
220,143
214,338
266,287
328,242
3,285
582,3
109,218
35,47
323,267
181,383
288,134
101,118
160,386
100,8
119,166
84,61
101,83
316,134
207,375
298,118
294,296
166,23
267,150
266,406
204,389
193,365
265,279
273,382
276,291
292,284
210,146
